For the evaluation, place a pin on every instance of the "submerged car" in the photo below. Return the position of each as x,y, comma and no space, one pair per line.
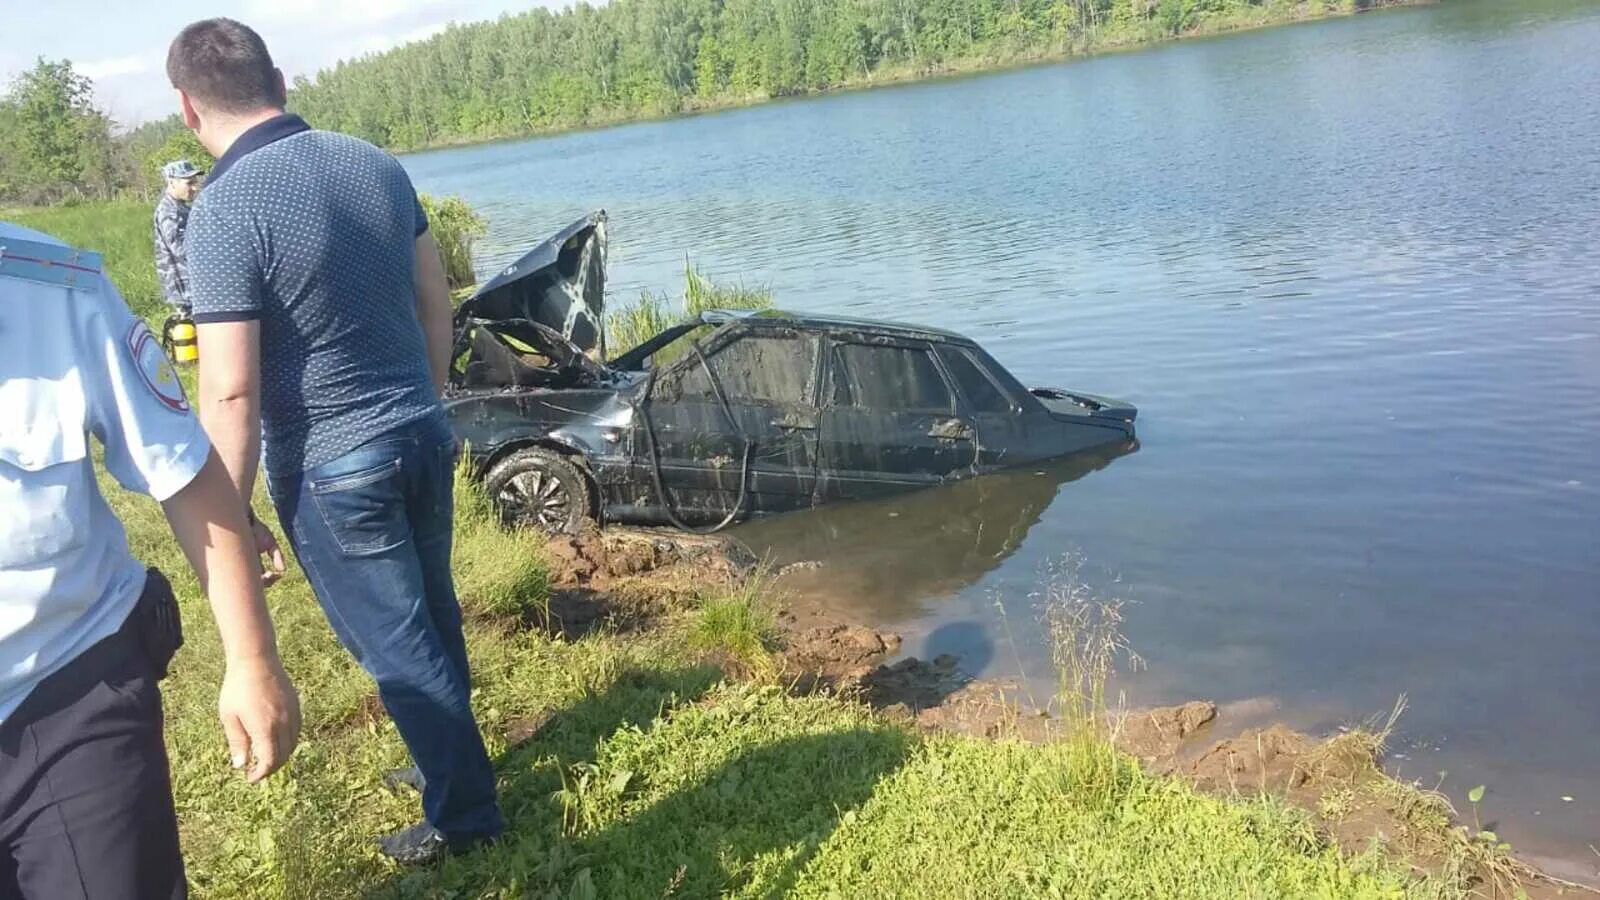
730,414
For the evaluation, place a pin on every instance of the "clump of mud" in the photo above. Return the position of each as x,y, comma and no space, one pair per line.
834,649
596,558
625,578
1155,735
1268,760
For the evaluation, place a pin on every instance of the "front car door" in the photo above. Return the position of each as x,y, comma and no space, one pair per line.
889,421
989,402
767,381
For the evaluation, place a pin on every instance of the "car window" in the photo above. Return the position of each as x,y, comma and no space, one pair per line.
975,385
762,369
887,378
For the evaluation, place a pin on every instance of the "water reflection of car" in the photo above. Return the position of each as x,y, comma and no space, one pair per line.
884,559
753,413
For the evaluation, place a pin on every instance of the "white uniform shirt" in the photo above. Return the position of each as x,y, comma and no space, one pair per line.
74,360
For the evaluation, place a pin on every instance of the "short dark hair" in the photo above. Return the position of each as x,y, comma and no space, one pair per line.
225,65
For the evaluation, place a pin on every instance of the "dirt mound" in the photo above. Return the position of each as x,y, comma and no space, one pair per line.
1155,735
594,558
913,683
626,578
835,649
1267,761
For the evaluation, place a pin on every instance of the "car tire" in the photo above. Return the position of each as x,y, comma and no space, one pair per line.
540,488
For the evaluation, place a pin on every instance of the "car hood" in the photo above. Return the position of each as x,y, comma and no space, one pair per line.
560,284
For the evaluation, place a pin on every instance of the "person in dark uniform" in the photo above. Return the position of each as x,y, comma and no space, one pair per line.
86,808
172,220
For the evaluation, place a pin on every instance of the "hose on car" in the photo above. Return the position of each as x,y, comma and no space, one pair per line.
655,453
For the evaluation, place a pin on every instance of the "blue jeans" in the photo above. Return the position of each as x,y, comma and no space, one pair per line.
372,530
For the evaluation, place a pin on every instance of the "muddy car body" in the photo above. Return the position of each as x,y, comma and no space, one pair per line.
729,415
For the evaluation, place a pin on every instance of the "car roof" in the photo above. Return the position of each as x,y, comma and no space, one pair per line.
780,318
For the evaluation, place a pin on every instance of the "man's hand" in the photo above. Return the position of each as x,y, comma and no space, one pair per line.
260,714
272,565
258,707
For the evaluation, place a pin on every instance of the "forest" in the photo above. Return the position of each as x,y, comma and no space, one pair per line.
585,65
590,65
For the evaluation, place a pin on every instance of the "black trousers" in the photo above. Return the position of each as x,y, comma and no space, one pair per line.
86,808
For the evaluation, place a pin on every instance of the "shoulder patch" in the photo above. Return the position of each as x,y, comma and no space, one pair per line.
154,369
52,264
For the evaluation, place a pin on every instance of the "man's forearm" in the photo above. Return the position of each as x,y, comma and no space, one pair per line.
434,310
230,398
167,269
435,319
210,525
256,704
233,424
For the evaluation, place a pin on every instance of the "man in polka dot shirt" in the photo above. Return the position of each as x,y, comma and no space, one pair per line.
323,323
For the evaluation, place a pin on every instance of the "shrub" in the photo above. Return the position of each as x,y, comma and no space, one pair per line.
456,228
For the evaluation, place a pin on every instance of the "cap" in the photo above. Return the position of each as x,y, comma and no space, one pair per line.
179,168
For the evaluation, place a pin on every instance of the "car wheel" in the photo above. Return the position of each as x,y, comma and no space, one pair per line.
540,488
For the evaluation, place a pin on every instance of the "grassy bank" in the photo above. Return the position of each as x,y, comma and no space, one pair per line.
630,765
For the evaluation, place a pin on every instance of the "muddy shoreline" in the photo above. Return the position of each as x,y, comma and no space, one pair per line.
630,580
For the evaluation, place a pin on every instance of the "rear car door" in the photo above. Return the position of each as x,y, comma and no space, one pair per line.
889,421
768,380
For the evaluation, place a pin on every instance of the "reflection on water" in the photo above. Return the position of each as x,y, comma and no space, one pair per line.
1349,273
890,559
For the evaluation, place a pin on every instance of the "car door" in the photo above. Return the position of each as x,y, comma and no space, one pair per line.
768,380
889,421
987,401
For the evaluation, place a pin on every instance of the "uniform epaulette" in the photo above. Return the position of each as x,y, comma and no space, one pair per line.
54,264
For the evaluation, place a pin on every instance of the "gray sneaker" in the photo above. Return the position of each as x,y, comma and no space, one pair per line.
395,779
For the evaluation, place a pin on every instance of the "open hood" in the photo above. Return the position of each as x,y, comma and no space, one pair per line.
560,284
540,321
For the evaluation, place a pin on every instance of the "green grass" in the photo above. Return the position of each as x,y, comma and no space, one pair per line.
741,624
456,227
490,565
123,231
630,768
627,328
933,829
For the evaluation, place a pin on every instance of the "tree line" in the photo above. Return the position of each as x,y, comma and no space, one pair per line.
57,145
586,65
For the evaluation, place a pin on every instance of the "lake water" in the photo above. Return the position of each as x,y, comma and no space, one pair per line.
1350,273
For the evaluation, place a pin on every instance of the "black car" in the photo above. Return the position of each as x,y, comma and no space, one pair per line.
749,414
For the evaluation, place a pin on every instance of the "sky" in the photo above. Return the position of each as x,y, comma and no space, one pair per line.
122,44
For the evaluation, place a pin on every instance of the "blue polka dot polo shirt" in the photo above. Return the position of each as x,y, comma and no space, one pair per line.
314,234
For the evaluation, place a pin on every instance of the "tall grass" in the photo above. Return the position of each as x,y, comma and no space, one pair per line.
122,231
1086,646
627,328
493,564
1086,643
741,623
456,227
